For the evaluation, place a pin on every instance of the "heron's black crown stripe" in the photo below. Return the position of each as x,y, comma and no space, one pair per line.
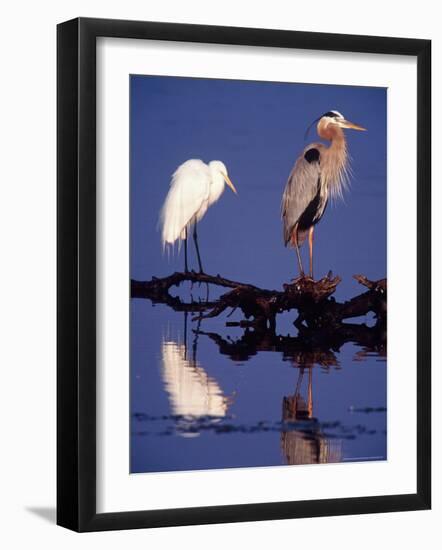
330,114
312,155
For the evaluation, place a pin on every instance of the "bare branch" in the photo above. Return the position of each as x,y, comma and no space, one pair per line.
312,299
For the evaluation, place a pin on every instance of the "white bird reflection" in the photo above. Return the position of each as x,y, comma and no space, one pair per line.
192,392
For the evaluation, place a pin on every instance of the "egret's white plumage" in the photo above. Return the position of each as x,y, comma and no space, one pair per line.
194,187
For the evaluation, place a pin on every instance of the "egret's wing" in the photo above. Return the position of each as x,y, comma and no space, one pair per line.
189,190
301,188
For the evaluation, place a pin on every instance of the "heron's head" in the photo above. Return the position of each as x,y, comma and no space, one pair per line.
331,120
218,168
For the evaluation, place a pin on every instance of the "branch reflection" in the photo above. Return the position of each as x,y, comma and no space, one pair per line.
303,439
198,402
310,345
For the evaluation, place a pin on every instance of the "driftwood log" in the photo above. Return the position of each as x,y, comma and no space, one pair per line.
313,300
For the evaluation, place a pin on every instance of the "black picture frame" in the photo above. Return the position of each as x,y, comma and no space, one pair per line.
76,274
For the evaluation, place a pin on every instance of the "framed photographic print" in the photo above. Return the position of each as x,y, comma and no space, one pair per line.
232,206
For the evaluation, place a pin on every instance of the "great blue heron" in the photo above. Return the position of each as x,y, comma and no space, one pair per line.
195,186
320,171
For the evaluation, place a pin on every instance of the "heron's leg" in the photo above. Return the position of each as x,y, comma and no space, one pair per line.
186,269
299,381
310,394
298,388
295,242
310,248
195,238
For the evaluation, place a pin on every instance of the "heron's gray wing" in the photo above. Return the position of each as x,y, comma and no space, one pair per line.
301,189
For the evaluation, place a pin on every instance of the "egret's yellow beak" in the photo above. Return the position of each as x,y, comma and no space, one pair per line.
229,183
351,125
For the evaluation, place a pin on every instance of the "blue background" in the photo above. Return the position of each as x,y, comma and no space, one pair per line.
257,129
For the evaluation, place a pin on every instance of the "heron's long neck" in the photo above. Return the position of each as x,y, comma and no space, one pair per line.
334,167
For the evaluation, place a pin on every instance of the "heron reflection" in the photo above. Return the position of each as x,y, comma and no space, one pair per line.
302,438
308,444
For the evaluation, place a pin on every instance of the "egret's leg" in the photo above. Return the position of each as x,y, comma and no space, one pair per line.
195,341
310,248
295,242
195,238
186,269
185,334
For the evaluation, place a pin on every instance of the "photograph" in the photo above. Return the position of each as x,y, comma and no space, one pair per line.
214,218
258,266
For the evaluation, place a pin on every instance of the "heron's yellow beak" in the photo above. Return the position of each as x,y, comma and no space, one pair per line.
229,183
352,125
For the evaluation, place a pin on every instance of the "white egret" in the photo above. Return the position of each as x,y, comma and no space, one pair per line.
194,187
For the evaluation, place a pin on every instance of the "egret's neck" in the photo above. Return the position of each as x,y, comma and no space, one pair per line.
216,187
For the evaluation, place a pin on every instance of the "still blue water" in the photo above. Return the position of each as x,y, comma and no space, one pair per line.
214,396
